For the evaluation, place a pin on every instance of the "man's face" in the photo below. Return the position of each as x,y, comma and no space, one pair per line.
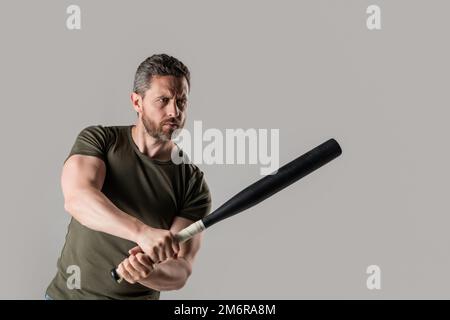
164,106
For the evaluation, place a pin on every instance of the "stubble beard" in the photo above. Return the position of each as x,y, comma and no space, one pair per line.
157,131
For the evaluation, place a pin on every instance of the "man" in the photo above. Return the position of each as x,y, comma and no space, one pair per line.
128,199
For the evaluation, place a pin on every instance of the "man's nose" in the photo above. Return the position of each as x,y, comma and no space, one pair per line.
173,111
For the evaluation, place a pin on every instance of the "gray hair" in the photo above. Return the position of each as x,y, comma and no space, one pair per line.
158,65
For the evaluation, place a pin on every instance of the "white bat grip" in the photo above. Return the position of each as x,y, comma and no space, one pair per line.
190,231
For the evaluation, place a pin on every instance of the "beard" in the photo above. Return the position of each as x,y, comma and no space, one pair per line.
158,131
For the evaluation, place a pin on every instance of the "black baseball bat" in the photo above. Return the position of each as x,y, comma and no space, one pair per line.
262,189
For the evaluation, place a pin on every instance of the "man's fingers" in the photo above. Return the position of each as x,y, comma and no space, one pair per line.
168,253
162,254
175,246
131,270
167,247
135,250
141,269
125,274
170,248
154,255
145,260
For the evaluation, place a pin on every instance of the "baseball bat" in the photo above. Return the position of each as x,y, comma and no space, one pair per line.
261,189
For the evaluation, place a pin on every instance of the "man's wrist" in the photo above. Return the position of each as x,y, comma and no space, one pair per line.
139,228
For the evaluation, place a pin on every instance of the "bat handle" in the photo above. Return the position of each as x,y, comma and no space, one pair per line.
180,237
190,231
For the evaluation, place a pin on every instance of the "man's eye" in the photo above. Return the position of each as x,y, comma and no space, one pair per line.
181,103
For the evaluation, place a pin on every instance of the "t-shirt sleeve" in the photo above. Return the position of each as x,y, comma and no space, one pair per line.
197,200
91,141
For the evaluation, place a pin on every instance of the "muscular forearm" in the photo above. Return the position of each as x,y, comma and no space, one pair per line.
94,210
171,274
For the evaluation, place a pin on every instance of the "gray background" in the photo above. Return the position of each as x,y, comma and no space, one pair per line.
309,68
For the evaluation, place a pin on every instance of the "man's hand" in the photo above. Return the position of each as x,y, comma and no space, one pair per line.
170,274
158,244
138,266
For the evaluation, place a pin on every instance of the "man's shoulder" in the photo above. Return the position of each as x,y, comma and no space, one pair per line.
104,130
100,136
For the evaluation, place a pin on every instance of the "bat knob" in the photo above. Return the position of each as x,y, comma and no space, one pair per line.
116,277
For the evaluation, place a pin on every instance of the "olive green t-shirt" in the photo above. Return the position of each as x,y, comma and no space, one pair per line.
151,190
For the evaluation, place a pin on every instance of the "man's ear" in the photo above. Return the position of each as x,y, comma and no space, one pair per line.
136,101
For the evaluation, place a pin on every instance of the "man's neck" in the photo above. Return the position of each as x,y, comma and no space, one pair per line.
153,148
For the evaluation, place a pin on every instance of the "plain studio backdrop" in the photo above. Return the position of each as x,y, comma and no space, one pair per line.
311,69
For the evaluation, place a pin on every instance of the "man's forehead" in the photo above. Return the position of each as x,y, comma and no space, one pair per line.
169,85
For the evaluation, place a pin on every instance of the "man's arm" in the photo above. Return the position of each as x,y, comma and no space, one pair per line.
82,180
171,274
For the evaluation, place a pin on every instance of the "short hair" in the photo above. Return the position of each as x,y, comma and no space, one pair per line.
158,65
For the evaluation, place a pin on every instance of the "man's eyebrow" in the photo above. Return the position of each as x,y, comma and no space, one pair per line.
163,94
169,94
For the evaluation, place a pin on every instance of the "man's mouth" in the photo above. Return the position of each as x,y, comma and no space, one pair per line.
172,124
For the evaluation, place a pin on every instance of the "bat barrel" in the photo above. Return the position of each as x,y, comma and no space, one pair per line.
271,184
